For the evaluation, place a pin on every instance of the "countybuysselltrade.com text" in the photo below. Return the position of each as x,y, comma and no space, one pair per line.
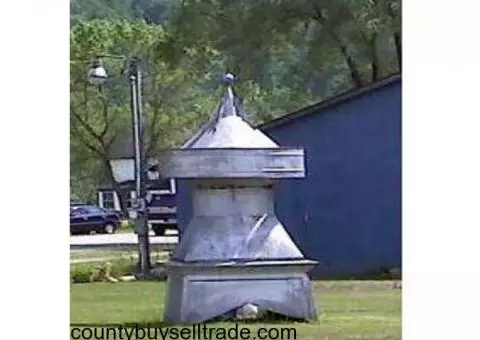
194,332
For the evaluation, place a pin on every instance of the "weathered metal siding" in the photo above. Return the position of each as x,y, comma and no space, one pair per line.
346,213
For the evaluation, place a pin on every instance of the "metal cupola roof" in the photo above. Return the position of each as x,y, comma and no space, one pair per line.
229,147
228,128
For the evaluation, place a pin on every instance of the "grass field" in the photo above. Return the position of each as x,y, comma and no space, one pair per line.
369,310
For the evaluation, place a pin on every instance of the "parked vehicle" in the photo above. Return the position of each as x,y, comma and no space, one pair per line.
162,213
161,204
86,219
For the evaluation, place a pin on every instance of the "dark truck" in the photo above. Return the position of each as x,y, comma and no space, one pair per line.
162,212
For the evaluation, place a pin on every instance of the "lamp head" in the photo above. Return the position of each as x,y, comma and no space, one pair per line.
97,75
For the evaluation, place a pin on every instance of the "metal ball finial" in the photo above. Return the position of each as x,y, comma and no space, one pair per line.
228,79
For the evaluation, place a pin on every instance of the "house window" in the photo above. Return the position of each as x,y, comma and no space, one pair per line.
108,199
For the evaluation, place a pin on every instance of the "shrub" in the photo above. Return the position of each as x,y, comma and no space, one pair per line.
81,273
123,267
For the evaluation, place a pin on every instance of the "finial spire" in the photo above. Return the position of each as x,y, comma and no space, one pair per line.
228,106
228,128
229,79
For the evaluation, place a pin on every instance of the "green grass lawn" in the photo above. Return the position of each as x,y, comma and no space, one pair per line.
367,310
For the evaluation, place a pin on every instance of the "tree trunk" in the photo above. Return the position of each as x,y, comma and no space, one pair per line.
375,59
352,66
354,71
398,45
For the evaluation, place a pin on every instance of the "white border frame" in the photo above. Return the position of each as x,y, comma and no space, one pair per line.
441,168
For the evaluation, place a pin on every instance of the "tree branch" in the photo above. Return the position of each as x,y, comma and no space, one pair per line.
374,55
89,129
397,38
352,65
160,99
106,121
85,142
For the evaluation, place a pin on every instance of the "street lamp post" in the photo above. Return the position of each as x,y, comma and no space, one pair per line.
97,76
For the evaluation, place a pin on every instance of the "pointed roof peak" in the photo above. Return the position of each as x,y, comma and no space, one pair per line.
228,128
230,104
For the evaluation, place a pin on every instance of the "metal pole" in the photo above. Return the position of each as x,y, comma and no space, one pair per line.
141,221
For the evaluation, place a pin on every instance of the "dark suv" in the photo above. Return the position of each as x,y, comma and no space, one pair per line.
85,219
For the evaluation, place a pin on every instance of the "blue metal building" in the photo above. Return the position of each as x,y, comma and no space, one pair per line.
346,213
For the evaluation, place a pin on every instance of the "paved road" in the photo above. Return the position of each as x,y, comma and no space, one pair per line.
119,240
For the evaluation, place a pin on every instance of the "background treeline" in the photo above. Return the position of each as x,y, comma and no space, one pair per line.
286,53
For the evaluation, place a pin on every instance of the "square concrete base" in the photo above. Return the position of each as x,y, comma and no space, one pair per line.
200,292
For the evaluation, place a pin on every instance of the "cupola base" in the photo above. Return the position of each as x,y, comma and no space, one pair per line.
199,292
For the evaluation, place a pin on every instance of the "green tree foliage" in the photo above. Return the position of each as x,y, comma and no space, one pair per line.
174,101
285,53
321,47
152,11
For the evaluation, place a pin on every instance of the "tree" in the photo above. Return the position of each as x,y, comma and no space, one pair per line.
286,55
173,101
152,11
321,47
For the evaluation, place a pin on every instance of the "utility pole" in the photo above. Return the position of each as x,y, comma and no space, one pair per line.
141,221
97,75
